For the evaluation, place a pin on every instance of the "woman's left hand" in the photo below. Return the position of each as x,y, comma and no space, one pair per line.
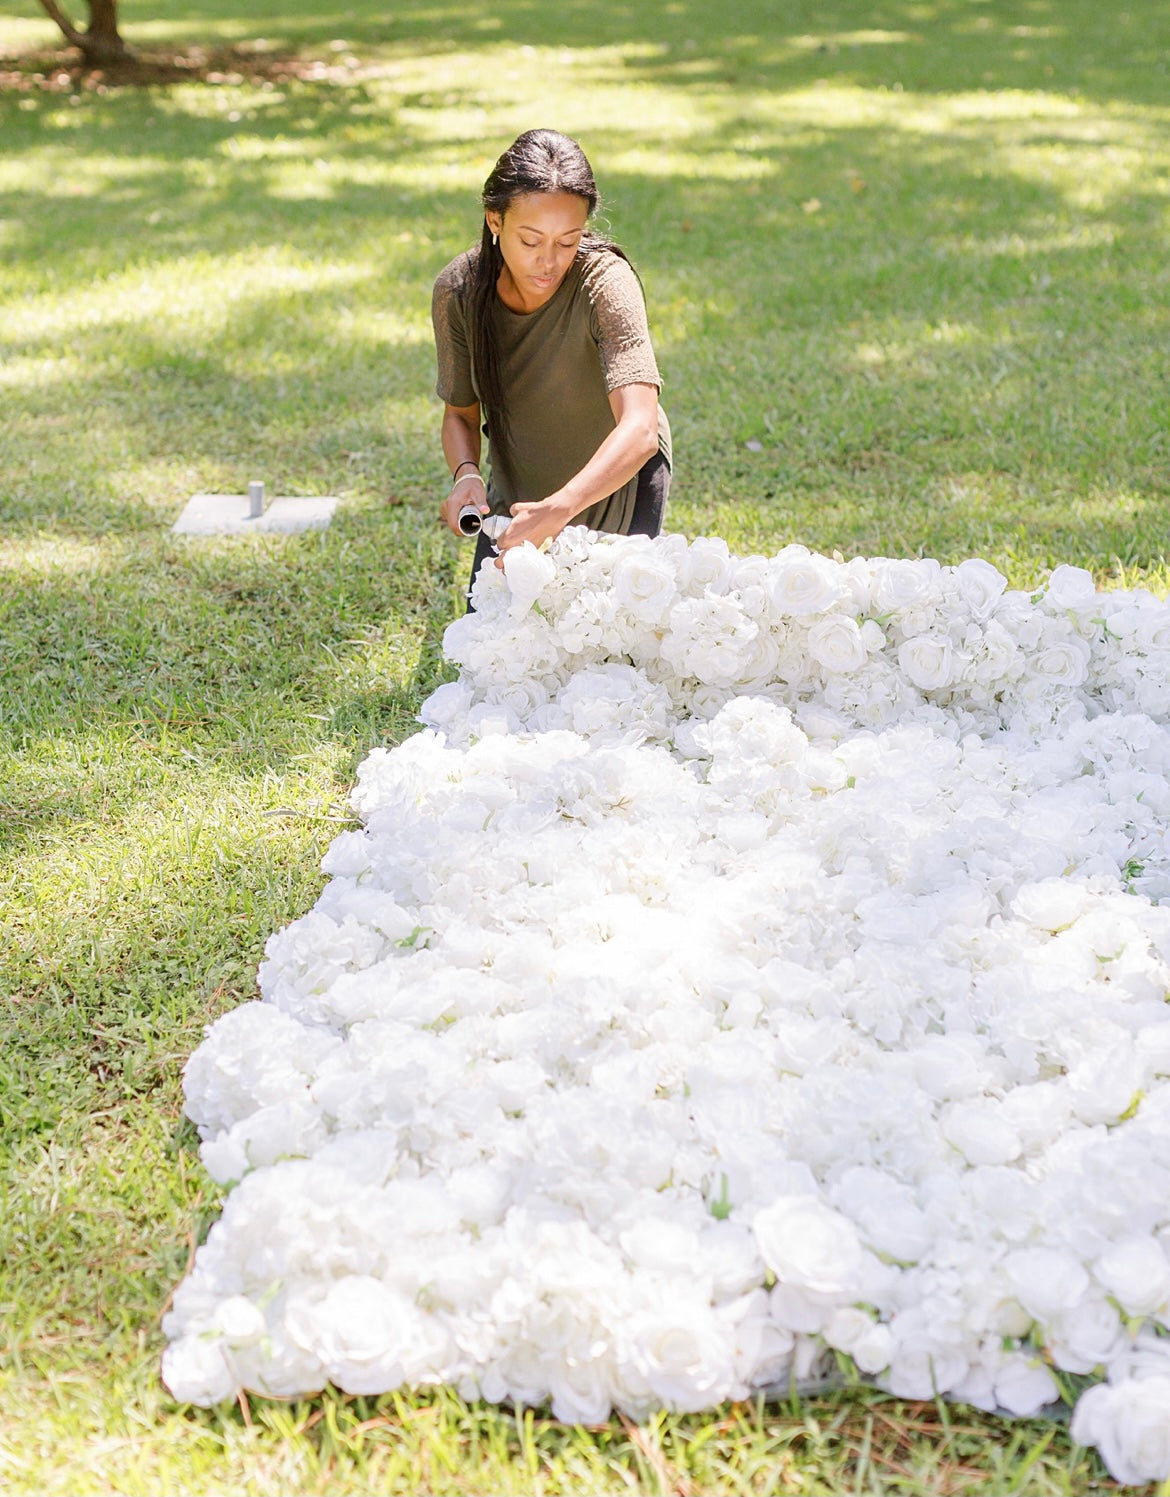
535,521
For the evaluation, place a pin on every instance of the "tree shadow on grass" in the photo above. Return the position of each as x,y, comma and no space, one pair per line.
1074,46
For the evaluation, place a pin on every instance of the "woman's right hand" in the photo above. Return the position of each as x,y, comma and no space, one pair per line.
471,489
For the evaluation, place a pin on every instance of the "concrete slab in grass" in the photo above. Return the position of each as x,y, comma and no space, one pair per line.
236,514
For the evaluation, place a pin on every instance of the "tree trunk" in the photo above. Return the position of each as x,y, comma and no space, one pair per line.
101,41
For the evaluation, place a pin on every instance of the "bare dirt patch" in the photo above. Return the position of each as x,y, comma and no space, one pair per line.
63,70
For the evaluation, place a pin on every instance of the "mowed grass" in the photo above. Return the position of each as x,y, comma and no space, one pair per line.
907,276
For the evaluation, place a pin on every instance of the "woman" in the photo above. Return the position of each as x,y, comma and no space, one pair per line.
542,340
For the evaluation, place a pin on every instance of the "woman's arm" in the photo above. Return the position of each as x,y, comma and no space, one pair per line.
460,435
632,441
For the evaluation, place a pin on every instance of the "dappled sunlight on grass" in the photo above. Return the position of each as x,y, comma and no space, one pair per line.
46,553
38,373
196,293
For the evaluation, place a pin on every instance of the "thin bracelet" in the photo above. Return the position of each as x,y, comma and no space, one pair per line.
455,484
464,464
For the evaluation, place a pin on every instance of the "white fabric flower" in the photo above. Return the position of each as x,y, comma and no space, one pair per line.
754,958
809,1246
837,644
528,572
1135,1272
645,583
803,584
927,660
1070,587
1130,1425
980,586
196,1370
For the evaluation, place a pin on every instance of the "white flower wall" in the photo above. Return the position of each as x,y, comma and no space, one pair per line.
755,960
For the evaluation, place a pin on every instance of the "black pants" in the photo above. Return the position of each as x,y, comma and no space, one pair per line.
649,509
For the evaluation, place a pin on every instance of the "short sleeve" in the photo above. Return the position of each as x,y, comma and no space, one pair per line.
618,322
455,383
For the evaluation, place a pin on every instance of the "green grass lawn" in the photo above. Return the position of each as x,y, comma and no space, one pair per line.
907,272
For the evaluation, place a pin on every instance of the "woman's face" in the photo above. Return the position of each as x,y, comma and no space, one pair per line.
539,234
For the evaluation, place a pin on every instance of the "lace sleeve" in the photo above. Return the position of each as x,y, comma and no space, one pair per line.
619,322
455,382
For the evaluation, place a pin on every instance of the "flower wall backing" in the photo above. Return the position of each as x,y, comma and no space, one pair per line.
755,962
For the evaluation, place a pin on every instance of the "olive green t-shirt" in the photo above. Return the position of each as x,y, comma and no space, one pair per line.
559,365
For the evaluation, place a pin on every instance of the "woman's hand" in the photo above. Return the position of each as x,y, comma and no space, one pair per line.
461,449
537,522
469,489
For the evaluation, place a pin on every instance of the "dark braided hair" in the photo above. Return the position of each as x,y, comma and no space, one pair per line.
537,161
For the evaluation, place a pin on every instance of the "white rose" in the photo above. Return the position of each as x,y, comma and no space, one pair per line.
1086,1337
1135,1272
705,566
684,1353
873,636
580,1391
1046,1281
644,583
528,572
980,585
804,584
904,584
365,1333
981,1131
807,1245
837,643
523,699
1130,1425
1103,1086
240,1321
1153,631
1064,662
1071,587
797,1310
927,661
